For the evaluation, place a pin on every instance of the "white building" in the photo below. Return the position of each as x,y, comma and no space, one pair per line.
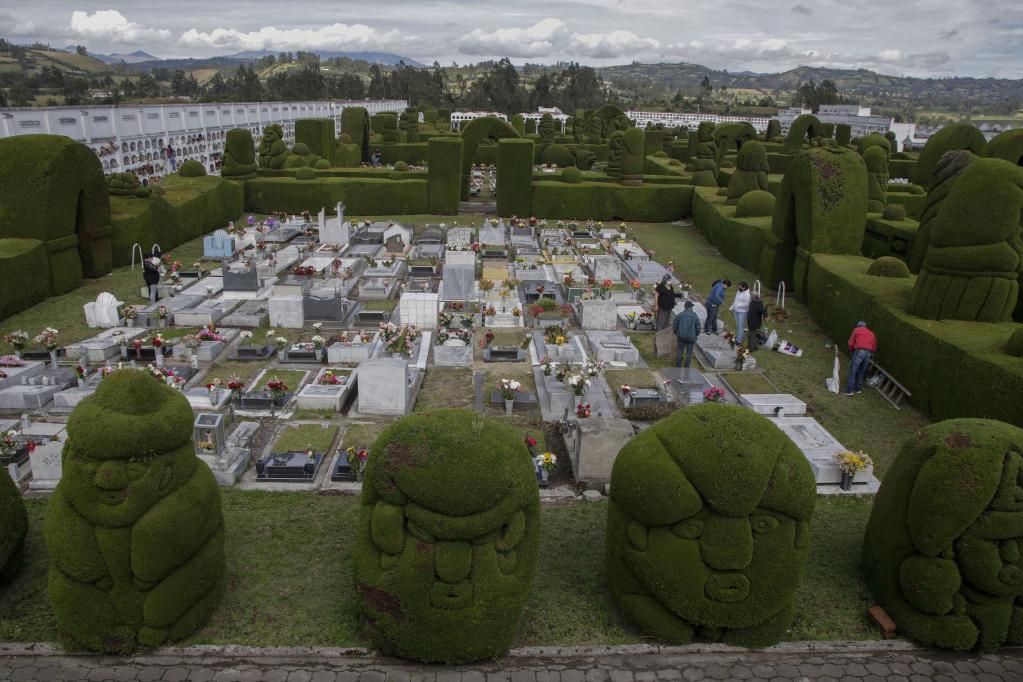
860,120
135,138
674,119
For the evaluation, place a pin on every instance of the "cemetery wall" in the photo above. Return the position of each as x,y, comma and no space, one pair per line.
654,203
740,240
362,196
952,368
190,208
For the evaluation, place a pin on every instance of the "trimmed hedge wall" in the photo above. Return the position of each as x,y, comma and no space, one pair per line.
52,189
976,375
318,135
515,176
950,138
13,528
134,529
362,196
415,153
653,203
708,528
190,208
24,276
473,133
940,553
885,237
355,124
740,240
448,536
445,174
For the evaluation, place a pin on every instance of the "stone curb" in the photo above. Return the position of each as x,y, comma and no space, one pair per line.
568,652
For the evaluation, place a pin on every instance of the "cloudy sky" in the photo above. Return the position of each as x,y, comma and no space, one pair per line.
911,37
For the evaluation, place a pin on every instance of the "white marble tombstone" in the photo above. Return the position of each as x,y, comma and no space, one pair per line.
103,312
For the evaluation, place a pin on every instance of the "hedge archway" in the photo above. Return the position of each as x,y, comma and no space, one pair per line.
803,129
474,132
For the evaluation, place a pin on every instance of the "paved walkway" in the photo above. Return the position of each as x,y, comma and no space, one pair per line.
822,661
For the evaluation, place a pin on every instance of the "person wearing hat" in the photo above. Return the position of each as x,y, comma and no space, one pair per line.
755,320
687,329
862,346
664,302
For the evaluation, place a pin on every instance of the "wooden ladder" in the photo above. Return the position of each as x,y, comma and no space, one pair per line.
887,386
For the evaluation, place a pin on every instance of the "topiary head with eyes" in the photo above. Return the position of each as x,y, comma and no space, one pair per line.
447,536
708,528
129,446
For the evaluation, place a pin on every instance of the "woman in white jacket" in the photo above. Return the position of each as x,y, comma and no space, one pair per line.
740,308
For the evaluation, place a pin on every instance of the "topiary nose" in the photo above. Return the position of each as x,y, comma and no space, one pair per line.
111,475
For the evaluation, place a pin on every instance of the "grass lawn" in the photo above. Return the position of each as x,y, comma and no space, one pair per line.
446,387
246,371
292,378
274,534
633,378
304,436
748,382
387,305
362,434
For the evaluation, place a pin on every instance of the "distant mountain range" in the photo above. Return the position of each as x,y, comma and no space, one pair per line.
128,58
138,57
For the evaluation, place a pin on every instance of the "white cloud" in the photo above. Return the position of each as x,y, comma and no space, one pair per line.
331,37
538,40
10,25
112,26
611,44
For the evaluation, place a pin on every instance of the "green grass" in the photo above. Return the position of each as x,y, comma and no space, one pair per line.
305,436
290,577
387,304
292,378
748,382
246,371
303,413
633,378
446,387
362,434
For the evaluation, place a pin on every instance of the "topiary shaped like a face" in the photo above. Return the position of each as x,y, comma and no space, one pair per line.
942,552
447,537
708,527
134,528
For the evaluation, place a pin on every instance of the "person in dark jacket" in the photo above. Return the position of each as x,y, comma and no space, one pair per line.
755,320
151,274
687,329
664,302
714,301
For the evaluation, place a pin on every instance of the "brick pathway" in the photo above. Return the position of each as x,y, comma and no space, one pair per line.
623,664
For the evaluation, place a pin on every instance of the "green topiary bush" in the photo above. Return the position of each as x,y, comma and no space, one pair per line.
272,148
125,185
773,130
515,176
134,529
751,173
448,537
1007,146
295,161
894,212
445,167
941,551
12,530
888,266
191,169
1015,345
873,140
946,174
322,164
473,133
300,148
843,134
305,174
757,203
876,158
239,154
804,129
558,155
572,175
708,527
974,257
401,166
952,137
316,136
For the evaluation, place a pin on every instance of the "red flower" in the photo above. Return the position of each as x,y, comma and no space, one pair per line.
530,441
30,446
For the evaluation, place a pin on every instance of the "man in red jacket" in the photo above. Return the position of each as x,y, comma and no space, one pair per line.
862,346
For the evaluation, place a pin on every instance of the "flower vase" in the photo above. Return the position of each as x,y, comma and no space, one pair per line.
130,322
193,360
509,406
53,358
17,352
847,480
319,355
124,352
358,475
214,397
163,323
578,400
159,356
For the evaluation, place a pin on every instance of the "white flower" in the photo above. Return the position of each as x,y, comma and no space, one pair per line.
246,334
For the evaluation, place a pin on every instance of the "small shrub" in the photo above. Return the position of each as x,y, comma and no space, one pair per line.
305,174
649,413
888,266
401,166
191,169
572,175
559,155
661,154
755,204
300,148
894,212
294,161
12,530
323,164
345,138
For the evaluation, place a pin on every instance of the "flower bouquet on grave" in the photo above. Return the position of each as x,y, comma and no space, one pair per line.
304,270
156,340
594,367
486,285
162,315
509,388
8,445
250,221
18,339
605,287
366,337
488,338
388,330
548,366
208,333
583,410
236,386
730,338
645,318
530,443
136,344
47,338
80,373
851,463
445,318
547,461
568,279
281,343
277,390
330,379
631,317
577,383
357,460
106,371
490,311
318,342
742,356
714,395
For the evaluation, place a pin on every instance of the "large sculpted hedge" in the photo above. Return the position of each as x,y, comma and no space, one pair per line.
515,176
974,254
942,547
751,171
708,527
239,154
134,529
474,132
821,208
804,129
445,174
649,202
12,529
52,189
950,138
448,537
318,136
355,124
1007,146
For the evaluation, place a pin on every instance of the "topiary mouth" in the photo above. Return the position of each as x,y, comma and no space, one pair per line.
726,587
451,595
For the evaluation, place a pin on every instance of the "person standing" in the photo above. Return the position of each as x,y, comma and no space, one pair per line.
755,320
151,274
664,302
740,308
862,346
687,329
714,301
